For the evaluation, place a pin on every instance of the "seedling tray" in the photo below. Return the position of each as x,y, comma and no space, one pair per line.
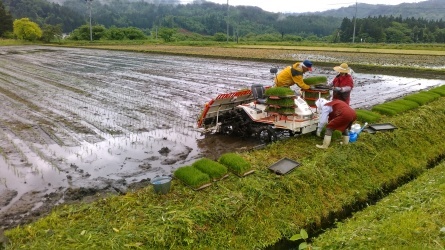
382,127
324,87
244,174
284,166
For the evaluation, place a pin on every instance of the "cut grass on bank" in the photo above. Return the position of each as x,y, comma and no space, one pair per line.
410,218
256,211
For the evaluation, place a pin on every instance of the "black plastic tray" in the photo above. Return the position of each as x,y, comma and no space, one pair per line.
382,127
322,86
284,166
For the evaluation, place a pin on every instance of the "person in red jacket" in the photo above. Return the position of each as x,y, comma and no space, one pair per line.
338,115
342,83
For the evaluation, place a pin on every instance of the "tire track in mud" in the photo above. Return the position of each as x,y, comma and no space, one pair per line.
98,120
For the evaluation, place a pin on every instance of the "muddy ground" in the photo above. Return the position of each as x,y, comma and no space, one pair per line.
79,123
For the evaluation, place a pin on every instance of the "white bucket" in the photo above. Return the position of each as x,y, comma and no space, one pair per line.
355,128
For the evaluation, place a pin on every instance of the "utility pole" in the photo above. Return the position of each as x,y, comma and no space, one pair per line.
355,21
91,29
227,21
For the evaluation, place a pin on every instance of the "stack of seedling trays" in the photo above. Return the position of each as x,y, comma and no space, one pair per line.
236,164
201,173
311,95
280,100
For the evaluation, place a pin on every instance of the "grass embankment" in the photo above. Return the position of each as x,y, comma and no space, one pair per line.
411,218
257,210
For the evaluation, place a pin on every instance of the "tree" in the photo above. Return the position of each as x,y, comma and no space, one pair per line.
220,37
83,32
24,29
167,34
5,20
50,32
398,33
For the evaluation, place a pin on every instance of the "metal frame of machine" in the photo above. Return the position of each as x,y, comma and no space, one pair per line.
245,113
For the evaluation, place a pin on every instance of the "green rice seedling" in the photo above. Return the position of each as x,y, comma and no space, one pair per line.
235,163
423,97
384,110
400,106
279,92
283,102
192,176
367,116
315,80
438,90
310,96
212,168
283,111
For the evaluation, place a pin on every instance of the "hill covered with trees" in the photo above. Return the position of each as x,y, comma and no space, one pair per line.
207,19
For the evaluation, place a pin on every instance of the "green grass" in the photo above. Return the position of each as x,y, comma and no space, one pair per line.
7,42
410,218
191,176
213,169
235,163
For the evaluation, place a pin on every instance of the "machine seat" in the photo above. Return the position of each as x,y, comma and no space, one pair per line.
258,93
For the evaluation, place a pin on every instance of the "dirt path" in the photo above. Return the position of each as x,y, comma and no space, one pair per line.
75,122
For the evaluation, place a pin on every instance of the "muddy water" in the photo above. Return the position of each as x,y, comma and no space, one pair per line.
103,120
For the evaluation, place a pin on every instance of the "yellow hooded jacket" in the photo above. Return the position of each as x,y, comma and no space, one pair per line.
291,75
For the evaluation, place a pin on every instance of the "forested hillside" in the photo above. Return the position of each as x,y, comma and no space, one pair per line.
430,10
208,19
44,12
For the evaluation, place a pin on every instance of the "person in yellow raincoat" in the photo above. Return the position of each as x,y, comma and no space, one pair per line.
293,75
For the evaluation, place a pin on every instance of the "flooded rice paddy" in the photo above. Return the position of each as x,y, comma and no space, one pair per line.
77,121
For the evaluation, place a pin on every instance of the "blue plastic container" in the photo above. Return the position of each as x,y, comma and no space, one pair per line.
353,136
161,184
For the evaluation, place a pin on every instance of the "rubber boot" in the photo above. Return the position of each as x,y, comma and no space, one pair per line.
326,142
345,139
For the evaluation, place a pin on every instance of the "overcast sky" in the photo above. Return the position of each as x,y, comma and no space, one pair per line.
297,6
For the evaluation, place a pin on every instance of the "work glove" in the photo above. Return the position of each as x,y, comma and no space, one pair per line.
318,132
337,89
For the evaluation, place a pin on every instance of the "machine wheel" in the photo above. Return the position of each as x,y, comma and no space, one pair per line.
267,135
227,129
